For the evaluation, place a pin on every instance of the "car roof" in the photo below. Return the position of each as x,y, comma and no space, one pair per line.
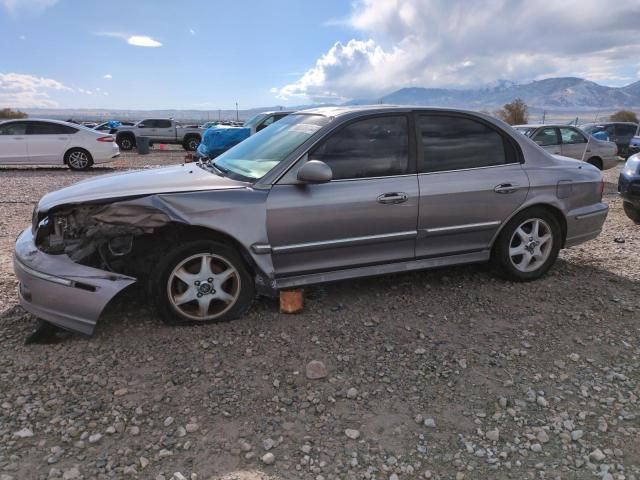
272,112
610,123
552,125
78,126
342,110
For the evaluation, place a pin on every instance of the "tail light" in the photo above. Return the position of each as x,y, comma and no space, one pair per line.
105,139
601,187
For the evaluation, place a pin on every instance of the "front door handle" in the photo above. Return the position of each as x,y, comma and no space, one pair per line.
393,198
506,188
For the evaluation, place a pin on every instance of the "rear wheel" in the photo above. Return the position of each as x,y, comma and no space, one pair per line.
78,159
632,212
201,282
528,245
125,142
596,162
191,143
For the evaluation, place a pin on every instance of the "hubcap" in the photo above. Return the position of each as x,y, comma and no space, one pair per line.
203,287
531,245
78,159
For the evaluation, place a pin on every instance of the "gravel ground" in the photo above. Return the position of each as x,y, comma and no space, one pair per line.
447,374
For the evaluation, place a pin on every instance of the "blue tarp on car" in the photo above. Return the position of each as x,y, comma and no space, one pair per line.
221,138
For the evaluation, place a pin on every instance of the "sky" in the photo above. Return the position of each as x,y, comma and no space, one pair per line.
209,54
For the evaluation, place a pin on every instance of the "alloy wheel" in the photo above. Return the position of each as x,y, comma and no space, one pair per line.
79,160
203,287
530,245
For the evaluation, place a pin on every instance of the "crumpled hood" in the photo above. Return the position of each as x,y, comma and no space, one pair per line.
178,178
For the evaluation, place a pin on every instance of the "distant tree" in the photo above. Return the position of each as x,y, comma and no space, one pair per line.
624,116
514,113
7,113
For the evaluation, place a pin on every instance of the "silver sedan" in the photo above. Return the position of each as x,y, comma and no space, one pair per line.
322,195
574,143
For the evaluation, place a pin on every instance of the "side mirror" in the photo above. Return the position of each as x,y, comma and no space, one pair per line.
315,171
539,142
141,125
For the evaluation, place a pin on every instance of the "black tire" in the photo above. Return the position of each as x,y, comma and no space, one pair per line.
159,283
501,257
191,143
596,162
632,212
126,142
78,159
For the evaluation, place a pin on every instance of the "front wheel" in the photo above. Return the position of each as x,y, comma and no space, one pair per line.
201,282
78,159
632,212
528,245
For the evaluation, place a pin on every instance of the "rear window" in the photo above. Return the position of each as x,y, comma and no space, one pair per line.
13,128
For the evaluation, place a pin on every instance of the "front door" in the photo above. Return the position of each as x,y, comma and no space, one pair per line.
471,181
13,143
366,215
47,142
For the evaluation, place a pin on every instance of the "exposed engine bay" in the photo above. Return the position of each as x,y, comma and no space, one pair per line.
97,235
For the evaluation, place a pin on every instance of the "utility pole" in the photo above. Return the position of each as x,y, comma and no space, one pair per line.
219,114
544,116
237,116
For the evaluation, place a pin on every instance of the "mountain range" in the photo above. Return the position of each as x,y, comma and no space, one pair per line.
561,93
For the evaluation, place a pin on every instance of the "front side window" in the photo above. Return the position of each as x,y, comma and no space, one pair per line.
376,147
45,128
267,121
13,128
255,156
571,136
547,137
450,142
623,130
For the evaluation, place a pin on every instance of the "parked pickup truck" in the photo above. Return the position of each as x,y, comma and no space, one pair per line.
157,130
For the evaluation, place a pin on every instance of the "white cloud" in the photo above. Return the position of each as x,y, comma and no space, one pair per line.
192,31
143,41
22,90
22,37
135,40
14,5
438,43
108,76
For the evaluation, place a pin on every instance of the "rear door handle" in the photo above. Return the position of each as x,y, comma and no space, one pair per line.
392,198
506,188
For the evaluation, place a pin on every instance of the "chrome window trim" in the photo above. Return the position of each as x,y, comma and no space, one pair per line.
472,168
300,247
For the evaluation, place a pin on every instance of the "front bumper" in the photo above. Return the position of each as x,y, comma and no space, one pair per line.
56,289
584,224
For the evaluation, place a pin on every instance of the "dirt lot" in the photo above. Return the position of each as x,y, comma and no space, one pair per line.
448,374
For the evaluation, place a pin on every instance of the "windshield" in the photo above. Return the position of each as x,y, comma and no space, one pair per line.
254,157
525,130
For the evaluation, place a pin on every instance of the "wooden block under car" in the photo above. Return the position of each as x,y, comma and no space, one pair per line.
291,301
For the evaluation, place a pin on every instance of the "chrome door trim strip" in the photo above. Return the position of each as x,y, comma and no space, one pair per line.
470,168
467,226
602,211
344,242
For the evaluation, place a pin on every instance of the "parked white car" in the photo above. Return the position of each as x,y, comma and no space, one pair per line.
572,142
52,142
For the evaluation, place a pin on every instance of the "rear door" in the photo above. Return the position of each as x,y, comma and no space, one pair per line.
13,143
165,131
471,181
366,215
47,142
549,139
574,143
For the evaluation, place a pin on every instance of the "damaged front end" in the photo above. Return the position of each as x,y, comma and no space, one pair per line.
96,235
76,258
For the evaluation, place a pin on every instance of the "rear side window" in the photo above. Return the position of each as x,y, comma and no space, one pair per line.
13,128
162,123
571,136
450,142
46,128
375,147
546,137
